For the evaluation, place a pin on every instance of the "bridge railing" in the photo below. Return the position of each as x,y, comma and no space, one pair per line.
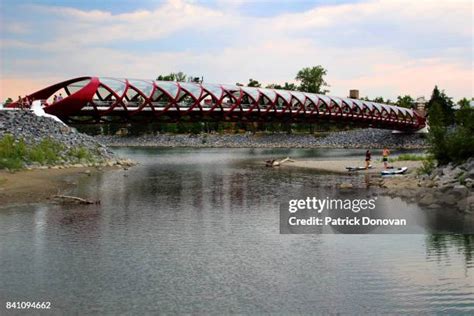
247,106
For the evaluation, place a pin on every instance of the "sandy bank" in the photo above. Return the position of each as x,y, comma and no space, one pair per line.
30,186
339,166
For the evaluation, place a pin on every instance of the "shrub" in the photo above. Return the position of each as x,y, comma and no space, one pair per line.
81,153
12,153
427,166
451,136
411,157
47,151
11,164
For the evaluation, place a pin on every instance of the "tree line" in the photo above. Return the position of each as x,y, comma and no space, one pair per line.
309,79
451,131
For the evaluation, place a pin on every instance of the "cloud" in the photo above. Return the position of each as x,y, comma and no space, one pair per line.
381,47
413,78
100,27
17,28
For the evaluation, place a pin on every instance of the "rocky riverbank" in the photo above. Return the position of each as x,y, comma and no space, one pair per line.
448,187
339,166
42,142
360,138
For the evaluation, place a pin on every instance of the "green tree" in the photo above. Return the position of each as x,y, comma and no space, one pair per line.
464,103
451,135
437,134
445,103
8,101
312,79
169,77
378,100
290,86
405,101
460,139
254,83
273,86
286,86
178,76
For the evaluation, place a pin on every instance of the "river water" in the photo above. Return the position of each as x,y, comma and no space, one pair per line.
197,231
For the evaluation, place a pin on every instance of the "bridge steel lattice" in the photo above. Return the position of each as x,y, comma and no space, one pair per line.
97,99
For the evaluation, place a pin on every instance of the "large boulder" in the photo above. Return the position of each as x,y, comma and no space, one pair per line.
345,185
467,204
469,183
427,199
446,186
469,165
470,203
460,190
450,199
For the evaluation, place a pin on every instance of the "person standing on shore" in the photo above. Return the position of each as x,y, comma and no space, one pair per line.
368,158
385,154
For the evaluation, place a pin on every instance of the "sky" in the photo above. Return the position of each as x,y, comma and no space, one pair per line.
381,47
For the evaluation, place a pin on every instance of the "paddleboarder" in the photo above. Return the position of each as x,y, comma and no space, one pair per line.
385,154
368,157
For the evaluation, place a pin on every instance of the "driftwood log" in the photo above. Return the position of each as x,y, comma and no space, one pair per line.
277,163
74,199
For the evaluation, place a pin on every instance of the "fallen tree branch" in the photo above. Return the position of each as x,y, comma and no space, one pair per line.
277,163
75,199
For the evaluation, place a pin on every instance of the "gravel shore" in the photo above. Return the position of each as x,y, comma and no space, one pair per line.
33,129
360,138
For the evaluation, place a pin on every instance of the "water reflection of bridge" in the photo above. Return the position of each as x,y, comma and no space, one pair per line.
93,99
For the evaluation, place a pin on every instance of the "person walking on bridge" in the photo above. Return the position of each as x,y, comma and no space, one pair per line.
385,154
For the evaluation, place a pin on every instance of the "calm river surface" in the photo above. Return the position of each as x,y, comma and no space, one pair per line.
197,231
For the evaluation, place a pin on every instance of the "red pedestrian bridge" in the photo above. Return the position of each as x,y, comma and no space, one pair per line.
98,99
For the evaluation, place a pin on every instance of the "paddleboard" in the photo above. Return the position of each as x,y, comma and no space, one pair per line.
401,170
357,168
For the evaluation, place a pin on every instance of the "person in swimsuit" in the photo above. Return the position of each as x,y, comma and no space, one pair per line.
385,154
368,157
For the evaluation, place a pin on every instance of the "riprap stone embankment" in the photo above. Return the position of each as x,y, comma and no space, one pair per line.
32,129
360,138
449,187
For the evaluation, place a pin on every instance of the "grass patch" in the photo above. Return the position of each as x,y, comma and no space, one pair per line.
411,157
47,152
15,154
408,157
12,153
427,166
81,154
